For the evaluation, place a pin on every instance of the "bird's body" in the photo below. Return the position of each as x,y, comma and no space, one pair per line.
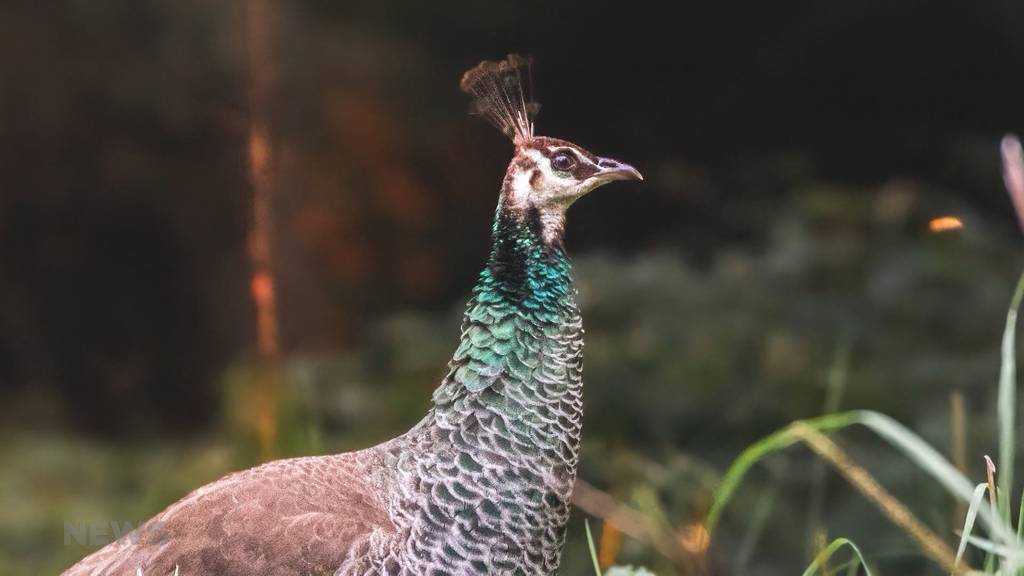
482,485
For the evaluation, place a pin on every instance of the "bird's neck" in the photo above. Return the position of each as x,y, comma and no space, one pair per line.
498,450
528,264
520,354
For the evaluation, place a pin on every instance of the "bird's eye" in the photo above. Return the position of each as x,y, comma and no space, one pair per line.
563,162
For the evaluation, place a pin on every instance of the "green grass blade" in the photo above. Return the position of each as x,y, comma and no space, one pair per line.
755,452
1020,517
593,550
918,451
972,514
1006,408
822,558
1012,554
899,436
936,465
837,375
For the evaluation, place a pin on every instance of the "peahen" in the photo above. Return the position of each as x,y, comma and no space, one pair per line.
482,484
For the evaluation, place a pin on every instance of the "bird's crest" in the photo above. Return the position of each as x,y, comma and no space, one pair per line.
502,94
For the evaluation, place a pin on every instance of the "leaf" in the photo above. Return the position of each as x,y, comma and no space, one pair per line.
593,550
822,558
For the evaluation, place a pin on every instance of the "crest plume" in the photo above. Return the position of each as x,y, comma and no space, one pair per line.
502,93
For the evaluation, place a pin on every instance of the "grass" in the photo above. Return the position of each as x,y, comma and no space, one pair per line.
1003,544
821,560
1003,540
593,549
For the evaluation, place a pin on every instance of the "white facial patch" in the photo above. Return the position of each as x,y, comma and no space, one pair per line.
542,186
521,187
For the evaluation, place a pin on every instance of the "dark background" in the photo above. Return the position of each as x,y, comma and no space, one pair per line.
794,153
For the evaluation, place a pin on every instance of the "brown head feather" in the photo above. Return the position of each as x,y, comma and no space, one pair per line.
501,92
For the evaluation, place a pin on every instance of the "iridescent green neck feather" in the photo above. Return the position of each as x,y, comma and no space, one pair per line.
524,296
525,269
493,464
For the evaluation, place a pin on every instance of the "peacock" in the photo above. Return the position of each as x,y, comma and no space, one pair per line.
482,484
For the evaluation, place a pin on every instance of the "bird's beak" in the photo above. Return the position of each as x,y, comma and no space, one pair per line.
615,170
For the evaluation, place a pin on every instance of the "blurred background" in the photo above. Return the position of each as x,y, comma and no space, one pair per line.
240,230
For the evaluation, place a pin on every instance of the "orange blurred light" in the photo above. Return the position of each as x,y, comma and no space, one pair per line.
262,287
945,224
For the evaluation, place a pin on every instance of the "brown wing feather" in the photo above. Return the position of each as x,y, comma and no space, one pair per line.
297,516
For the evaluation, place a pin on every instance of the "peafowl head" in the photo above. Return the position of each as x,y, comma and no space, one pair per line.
546,174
